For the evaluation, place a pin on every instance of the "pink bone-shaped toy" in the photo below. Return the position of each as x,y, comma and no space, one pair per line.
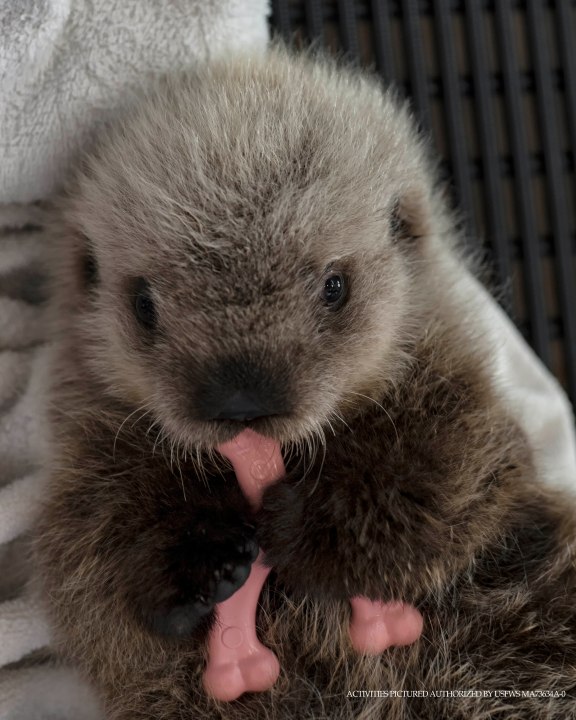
237,661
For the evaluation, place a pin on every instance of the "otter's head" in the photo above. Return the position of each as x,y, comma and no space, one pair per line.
252,232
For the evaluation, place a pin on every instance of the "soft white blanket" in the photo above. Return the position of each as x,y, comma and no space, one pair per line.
63,66
65,63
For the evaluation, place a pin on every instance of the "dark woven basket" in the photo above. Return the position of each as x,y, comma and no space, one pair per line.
494,82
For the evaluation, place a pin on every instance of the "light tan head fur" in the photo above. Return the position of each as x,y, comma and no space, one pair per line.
233,190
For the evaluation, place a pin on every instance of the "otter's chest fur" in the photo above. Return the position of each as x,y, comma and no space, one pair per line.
458,527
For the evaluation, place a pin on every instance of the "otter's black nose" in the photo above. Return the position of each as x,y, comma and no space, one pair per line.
241,406
236,389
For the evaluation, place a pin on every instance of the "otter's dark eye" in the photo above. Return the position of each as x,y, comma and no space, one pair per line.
334,291
143,304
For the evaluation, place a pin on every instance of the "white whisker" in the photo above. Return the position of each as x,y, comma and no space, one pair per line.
138,409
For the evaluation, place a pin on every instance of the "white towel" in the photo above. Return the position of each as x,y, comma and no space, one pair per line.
65,63
50,693
63,66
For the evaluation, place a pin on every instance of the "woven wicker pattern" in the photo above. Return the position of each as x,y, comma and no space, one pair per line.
495,84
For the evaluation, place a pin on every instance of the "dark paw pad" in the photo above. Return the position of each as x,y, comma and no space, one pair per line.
213,578
231,575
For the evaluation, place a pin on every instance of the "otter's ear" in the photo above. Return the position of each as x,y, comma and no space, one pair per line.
410,219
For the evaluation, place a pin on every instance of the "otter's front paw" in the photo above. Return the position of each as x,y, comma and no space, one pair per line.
211,562
309,540
286,536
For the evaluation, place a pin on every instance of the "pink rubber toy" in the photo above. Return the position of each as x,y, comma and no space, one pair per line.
375,626
237,661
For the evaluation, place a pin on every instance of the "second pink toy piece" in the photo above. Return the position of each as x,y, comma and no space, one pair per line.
237,660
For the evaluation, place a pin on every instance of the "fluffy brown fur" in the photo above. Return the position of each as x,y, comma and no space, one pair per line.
231,190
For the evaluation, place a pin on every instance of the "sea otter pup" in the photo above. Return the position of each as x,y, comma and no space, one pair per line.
263,243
